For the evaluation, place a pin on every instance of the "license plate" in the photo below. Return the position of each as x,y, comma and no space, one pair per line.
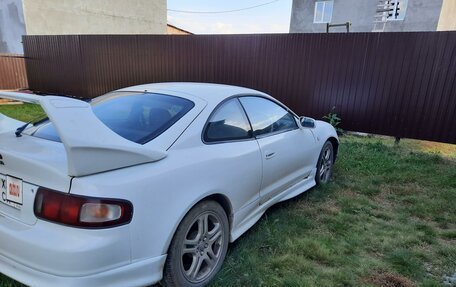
13,194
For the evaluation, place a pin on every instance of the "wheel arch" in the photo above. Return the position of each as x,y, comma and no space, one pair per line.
221,199
224,202
335,144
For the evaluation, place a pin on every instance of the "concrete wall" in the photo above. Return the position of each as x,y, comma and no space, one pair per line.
447,19
421,15
51,17
12,26
359,12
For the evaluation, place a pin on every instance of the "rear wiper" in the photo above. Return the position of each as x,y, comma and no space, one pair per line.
40,121
20,129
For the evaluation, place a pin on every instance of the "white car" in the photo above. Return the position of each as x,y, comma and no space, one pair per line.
148,183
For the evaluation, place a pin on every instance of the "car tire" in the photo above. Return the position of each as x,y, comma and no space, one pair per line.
325,164
198,248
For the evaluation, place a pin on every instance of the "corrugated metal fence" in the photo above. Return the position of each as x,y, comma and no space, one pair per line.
12,72
399,84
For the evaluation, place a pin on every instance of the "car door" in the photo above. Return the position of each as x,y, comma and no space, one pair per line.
229,137
285,147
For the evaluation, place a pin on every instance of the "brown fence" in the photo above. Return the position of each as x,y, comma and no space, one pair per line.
399,84
12,72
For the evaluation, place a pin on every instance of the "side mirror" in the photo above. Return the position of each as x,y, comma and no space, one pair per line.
307,122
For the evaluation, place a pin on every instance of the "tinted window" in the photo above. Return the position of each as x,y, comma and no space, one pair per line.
228,122
267,116
136,117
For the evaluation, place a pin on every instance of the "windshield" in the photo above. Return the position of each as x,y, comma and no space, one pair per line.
138,117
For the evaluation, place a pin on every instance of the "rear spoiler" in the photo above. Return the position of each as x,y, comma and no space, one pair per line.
91,147
9,124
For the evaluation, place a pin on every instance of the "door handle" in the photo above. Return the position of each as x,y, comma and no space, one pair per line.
270,155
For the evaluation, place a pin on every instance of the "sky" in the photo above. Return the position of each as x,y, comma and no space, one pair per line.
270,18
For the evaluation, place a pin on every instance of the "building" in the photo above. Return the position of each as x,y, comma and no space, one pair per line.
12,26
60,17
312,16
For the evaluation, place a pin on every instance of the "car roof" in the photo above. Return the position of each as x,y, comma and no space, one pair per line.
211,93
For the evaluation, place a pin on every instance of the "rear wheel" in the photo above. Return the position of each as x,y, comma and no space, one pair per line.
325,164
199,246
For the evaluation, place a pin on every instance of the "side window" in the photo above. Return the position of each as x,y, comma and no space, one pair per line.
228,122
267,116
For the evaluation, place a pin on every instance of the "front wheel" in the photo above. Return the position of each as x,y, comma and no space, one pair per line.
199,246
325,164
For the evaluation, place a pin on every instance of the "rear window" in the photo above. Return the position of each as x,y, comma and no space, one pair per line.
138,117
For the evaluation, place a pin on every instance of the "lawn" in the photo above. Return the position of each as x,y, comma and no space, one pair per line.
387,219
23,112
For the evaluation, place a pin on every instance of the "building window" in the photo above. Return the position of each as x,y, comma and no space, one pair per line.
323,11
396,9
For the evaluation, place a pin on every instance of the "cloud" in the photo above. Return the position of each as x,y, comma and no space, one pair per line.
199,26
223,28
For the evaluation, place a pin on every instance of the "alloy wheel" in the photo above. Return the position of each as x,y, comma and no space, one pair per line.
202,247
326,163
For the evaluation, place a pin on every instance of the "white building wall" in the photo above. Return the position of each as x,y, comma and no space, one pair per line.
58,17
12,26
421,15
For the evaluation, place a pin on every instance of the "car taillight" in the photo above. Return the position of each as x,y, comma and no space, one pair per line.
81,211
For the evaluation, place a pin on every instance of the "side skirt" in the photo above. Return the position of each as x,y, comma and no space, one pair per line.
253,212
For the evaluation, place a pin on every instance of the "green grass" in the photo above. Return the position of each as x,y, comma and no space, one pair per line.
23,112
387,217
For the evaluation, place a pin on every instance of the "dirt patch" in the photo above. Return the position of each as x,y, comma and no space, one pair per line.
388,280
440,148
329,207
402,189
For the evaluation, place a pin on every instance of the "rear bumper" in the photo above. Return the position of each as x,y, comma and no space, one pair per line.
48,254
141,273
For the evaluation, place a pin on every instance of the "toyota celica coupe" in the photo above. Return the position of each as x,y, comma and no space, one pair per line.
149,183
